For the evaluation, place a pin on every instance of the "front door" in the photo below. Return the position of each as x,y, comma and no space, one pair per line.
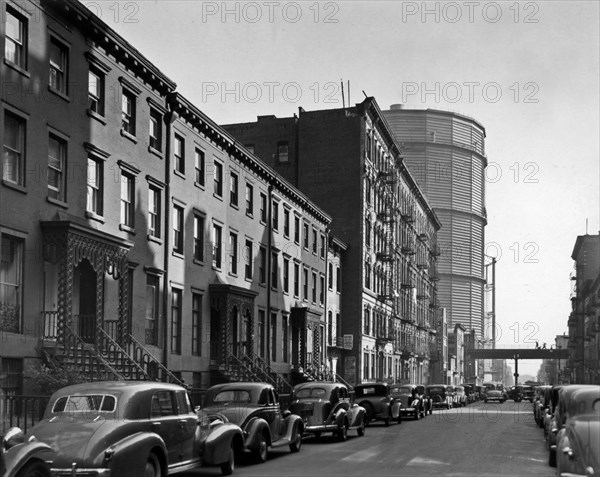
86,322
215,333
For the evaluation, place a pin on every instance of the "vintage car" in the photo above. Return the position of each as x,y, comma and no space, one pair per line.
326,407
578,442
561,415
19,458
441,395
412,401
541,402
255,408
470,392
528,392
494,395
378,402
515,393
133,428
460,396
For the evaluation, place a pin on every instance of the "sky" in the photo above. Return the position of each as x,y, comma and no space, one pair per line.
527,71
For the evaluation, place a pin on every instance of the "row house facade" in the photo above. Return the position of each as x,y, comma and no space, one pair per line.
583,367
348,162
138,238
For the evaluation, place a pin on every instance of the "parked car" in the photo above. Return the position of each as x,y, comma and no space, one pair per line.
541,402
460,396
411,400
378,402
515,393
470,392
578,442
560,417
134,429
19,458
326,407
441,395
494,395
528,392
255,408
427,403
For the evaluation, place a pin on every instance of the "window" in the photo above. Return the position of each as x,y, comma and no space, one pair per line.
273,337
179,153
367,275
322,246
198,238
128,112
296,229
178,229
305,284
367,322
286,274
314,241
262,265
296,280
338,279
233,253
218,186
15,46
96,91
286,223
275,215
321,289
305,230
199,165
249,199
330,276
233,189
154,212
330,336
248,260
95,186
176,320
127,200
155,137
152,310
11,283
274,270
314,287
196,324
57,161
284,338
283,151
58,55
368,232
217,245
261,333
263,208
13,164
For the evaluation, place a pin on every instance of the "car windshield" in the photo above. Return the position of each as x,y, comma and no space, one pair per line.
232,395
311,393
401,390
371,390
436,390
85,402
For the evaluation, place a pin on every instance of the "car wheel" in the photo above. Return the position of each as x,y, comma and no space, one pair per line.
342,433
228,467
152,468
35,468
361,429
297,442
262,450
552,458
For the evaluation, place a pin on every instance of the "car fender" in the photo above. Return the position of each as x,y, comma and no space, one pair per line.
356,415
17,456
131,453
219,441
340,416
396,408
253,429
293,425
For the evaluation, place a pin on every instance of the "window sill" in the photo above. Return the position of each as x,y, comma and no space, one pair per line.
58,202
179,173
58,93
152,238
249,214
198,261
97,116
248,279
127,228
17,68
156,152
199,185
234,206
262,285
94,216
15,186
129,136
216,267
217,196
177,254
232,274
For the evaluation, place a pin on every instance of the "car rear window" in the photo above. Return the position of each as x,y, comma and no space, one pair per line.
401,390
85,402
311,392
232,395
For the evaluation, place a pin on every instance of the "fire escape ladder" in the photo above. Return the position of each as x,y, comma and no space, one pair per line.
387,255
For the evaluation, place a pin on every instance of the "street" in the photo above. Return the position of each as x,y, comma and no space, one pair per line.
477,440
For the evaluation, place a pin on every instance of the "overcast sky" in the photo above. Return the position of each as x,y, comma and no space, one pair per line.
527,71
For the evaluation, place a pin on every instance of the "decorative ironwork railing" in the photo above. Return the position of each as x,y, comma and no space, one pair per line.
21,411
153,367
118,357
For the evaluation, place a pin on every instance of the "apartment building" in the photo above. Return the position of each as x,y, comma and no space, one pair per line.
348,162
138,239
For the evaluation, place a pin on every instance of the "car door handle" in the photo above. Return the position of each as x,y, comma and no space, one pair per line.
156,425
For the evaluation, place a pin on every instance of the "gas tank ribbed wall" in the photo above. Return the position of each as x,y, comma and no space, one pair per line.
445,153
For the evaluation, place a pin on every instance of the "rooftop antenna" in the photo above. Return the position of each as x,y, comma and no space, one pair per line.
349,94
343,100
586,226
364,93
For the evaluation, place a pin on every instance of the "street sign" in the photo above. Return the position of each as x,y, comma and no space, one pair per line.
348,341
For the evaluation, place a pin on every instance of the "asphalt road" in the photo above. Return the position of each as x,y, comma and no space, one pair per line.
478,440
